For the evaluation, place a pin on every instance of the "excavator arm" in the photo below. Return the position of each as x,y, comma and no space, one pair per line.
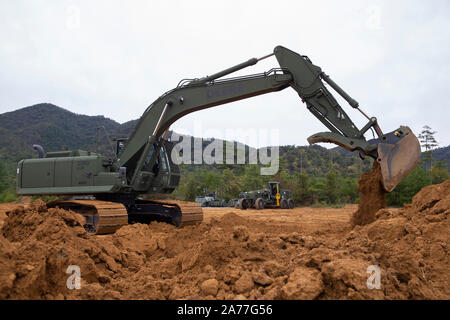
193,97
398,152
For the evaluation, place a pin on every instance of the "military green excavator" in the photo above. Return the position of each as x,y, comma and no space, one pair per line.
108,192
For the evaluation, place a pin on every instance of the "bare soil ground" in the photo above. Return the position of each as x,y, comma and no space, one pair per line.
304,253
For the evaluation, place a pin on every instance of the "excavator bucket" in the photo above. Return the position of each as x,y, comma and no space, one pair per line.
398,154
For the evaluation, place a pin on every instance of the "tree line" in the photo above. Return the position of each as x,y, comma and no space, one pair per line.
330,189
313,174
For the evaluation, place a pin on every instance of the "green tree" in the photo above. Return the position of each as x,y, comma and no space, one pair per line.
439,172
210,181
3,177
190,190
317,188
349,189
301,187
229,187
403,193
252,179
428,142
7,193
332,186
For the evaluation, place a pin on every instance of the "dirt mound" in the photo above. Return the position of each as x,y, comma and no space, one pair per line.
46,242
231,256
411,245
372,196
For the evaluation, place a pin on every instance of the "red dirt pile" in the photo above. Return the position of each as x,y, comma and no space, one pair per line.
230,257
372,196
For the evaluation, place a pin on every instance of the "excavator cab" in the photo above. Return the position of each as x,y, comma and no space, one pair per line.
273,187
120,143
164,174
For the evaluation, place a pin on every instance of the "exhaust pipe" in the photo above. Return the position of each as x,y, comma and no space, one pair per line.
39,149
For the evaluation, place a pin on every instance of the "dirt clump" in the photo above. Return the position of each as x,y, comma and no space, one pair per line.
210,287
303,283
372,196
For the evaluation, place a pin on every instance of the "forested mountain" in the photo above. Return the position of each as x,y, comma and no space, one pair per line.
54,128
50,126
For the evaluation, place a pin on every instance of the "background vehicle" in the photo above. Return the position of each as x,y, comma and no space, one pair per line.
211,201
273,196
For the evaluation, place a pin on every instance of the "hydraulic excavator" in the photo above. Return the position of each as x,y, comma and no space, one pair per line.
108,192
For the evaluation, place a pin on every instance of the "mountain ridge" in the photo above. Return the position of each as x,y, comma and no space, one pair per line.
55,127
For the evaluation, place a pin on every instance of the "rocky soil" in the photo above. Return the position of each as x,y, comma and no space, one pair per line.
303,253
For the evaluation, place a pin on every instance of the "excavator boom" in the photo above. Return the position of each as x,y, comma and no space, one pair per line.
397,153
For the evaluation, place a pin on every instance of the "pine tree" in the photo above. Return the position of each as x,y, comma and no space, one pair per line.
428,142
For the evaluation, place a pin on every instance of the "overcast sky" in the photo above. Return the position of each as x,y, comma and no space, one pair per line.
114,58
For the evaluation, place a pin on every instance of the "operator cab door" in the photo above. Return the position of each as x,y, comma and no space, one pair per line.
120,144
152,167
149,171
159,169
163,175
273,188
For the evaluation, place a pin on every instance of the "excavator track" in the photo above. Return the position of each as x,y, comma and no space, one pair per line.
102,217
190,213
105,217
